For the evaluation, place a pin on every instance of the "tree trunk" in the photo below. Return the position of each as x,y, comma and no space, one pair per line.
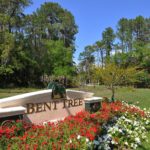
102,58
113,93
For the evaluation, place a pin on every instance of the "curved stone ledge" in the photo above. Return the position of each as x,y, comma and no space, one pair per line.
12,111
39,96
73,94
38,107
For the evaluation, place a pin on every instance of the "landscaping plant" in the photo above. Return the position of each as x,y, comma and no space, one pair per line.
116,125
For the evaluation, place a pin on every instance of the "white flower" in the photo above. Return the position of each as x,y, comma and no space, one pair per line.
130,132
87,140
126,143
123,117
135,146
120,130
78,137
147,122
135,123
143,136
132,144
113,142
70,141
109,135
137,140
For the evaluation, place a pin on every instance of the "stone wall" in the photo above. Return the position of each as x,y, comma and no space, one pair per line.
38,107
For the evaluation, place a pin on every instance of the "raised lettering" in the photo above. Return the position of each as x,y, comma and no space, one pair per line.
80,102
55,106
30,108
47,106
64,103
39,107
70,103
75,102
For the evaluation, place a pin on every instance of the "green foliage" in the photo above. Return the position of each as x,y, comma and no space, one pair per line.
61,62
108,37
36,45
87,60
124,33
127,48
113,75
99,47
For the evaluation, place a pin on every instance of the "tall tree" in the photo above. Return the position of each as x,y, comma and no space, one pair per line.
56,23
139,29
124,34
26,39
108,37
87,59
11,23
51,23
99,48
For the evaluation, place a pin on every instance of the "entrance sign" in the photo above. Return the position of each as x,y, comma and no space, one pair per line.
38,107
41,107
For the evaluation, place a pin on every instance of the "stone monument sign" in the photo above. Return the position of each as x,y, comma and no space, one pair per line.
41,106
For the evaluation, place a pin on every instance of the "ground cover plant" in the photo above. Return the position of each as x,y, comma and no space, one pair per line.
136,96
115,126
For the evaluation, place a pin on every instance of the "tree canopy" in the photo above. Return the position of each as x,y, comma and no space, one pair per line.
35,45
127,46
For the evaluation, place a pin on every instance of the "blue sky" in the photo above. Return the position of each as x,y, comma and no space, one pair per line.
93,16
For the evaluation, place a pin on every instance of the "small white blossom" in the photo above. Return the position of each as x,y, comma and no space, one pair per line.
70,141
137,140
78,137
113,142
87,140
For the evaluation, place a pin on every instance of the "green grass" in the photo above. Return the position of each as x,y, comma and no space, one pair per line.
145,145
11,92
129,94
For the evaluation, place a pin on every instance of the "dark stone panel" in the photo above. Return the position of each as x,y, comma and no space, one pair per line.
92,107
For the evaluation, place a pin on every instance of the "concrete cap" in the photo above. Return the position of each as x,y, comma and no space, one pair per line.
92,99
11,111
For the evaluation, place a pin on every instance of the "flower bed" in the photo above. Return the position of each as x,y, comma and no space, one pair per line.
115,125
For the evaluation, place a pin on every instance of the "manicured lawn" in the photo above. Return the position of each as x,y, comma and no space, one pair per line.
15,91
128,94
139,97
